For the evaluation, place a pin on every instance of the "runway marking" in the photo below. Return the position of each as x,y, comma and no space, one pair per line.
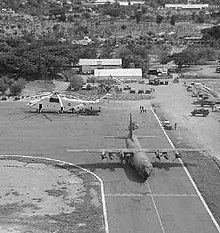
189,176
155,207
71,164
148,194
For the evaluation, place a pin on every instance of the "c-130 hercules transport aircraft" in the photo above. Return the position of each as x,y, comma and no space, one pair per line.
134,154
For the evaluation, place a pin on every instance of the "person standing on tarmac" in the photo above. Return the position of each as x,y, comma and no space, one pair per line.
175,126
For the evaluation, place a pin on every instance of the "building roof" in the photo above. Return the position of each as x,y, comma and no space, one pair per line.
117,72
131,2
100,2
121,2
104,62
187,6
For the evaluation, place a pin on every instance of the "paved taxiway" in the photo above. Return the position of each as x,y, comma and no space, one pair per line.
166,202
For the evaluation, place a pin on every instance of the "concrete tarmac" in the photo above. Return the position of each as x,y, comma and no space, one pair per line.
166,202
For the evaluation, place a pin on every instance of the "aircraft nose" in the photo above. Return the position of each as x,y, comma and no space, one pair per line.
146,171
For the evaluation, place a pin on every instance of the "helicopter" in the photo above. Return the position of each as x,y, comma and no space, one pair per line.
61,103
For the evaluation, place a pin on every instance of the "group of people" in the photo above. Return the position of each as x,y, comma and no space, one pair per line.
142,109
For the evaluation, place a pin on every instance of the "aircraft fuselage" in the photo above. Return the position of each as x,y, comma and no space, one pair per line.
139,158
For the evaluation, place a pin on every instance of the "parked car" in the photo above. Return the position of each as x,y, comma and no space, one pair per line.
140,91
200,111
127,88
147,91
4,98
217,70
87,86
17,98
132,91
167,125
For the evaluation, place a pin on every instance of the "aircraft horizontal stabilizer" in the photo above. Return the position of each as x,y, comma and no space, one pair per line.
142,137
116,137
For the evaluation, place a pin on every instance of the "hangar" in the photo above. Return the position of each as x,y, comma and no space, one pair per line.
122,74
89,65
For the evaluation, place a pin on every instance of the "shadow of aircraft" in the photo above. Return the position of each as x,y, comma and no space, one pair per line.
130,172
167,165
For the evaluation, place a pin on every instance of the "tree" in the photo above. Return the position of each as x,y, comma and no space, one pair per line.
3,86
138,15
123,27
4,47
76,82
181,59
213,32
112,10
173,20
17,87
201,17
159,19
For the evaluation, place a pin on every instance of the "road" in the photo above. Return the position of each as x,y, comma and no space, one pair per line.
166,202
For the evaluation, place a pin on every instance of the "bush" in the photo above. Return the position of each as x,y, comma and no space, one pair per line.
123,27
3,86
16,87
76,83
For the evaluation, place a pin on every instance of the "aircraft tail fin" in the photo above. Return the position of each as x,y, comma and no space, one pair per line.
130,128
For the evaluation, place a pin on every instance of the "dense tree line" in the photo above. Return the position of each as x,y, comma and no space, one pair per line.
134,56
213,32
39,59
193,56
13,86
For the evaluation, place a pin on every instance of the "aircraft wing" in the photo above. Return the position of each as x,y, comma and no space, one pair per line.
127,151
124,150
153,150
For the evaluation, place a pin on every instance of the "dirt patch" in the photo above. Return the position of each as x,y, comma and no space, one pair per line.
48,197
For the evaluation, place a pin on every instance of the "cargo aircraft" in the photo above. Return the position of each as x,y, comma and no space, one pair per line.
56,102
134,154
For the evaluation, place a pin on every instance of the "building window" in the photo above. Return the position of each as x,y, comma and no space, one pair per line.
54,100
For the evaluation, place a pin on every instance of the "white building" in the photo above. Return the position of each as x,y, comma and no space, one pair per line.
187,6
89,65
120,2
121,74
130,2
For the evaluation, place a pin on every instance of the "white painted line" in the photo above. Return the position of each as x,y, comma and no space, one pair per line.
71,164
148,194
189,176
175,195
155,207
125,195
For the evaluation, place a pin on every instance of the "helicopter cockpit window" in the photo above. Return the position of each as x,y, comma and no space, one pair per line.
54,100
